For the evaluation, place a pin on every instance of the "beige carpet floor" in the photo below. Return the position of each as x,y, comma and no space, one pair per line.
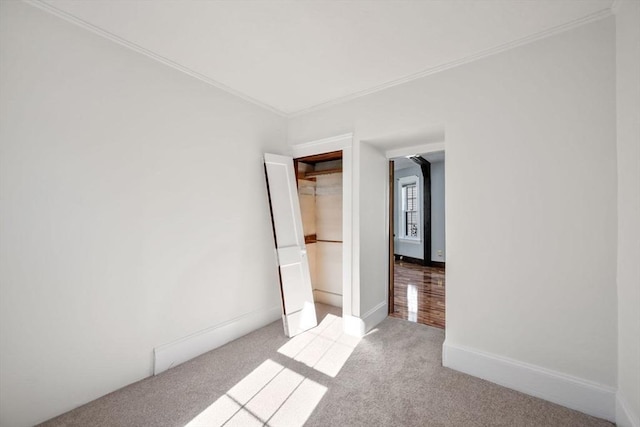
392,377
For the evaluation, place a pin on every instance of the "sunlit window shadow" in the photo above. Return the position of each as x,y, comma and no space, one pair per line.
271,394
274,395
325,348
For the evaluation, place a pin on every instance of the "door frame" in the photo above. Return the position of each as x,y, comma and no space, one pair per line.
390,155
392,236
342,143
425,168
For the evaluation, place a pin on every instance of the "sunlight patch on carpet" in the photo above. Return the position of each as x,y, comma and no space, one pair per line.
324,348
271,394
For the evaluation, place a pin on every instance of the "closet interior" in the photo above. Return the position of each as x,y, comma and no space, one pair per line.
320,193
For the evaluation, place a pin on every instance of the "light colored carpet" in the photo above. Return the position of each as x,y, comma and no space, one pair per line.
393,377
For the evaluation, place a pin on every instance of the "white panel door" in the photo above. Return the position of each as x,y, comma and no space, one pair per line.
298,309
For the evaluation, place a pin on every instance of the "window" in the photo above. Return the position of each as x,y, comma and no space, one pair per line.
410,208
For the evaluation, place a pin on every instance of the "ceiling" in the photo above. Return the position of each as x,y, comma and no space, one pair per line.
291,56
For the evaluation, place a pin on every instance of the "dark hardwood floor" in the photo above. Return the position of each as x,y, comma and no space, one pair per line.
419,293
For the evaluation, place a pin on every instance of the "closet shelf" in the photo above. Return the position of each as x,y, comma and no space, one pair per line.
312,238
324,172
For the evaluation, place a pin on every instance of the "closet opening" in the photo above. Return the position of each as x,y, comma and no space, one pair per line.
320,191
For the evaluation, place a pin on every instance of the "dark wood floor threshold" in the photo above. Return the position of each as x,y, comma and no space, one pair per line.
409,259
419,293
419,261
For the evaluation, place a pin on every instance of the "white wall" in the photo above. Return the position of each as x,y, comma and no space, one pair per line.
531,174
373,226
628,126
438,241
328,286
117,234
321,209
114,242
307,197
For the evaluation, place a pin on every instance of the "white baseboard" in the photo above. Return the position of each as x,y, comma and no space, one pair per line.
353,325
359,326
585,396
172,354
374,316
327,298
624,415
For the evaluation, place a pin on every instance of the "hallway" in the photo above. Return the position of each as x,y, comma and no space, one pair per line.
419,294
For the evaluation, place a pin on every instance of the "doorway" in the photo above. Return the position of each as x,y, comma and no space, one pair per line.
417,252
344,144
320,191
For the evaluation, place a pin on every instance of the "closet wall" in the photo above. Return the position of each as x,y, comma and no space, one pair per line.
320,191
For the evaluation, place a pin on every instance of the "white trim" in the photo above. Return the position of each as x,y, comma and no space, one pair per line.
352,299
415,149
376,315
169,355
137,48
329,298
624,415
359,327
353,326
320,146
402,182
347,230
342,142
596,16
576,393
615,7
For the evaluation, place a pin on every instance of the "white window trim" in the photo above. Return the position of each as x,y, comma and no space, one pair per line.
407,180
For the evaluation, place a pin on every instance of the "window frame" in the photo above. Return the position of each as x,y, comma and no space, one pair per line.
402,183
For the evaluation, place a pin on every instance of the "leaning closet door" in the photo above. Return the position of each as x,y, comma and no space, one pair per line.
298,309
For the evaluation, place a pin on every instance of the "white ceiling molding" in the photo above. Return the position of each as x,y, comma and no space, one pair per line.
483,54
126,43
230,38
615,6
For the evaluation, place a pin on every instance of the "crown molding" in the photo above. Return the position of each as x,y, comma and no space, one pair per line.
596,16
615,6
40,4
